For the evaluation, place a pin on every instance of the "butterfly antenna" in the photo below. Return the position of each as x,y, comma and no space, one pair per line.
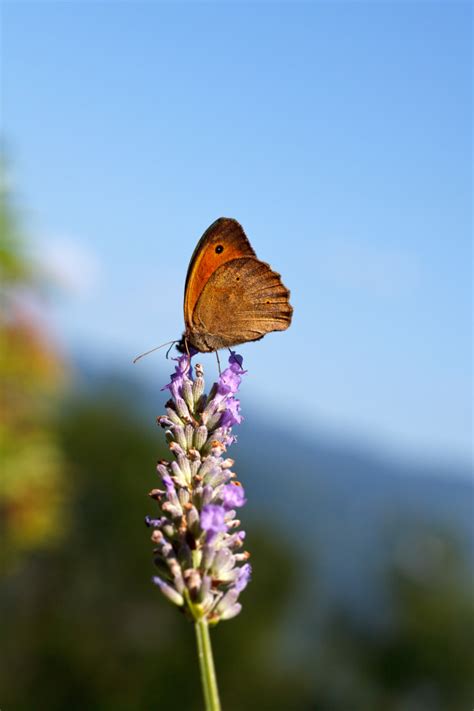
171,346
142,355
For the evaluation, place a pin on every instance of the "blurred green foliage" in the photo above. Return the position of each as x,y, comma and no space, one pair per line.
33,494
85,629
14,266
83,622
419,655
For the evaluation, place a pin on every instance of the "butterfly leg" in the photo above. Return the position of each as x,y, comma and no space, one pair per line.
187,351
218,363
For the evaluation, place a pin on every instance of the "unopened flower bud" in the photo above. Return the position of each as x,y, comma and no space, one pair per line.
169,591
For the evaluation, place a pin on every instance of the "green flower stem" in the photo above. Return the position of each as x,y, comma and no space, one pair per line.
206,663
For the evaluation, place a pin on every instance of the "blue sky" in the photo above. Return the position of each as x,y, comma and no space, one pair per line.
338,134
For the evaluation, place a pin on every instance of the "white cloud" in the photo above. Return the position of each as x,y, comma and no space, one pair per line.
71,265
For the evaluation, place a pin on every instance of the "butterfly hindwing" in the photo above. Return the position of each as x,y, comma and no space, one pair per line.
242,301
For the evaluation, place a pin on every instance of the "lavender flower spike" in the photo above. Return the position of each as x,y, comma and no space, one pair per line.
198,547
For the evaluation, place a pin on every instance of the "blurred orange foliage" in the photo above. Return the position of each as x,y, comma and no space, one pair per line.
32,376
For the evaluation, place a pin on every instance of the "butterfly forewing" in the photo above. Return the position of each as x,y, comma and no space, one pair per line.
222,242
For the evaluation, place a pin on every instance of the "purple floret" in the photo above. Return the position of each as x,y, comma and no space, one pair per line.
233,496
212,521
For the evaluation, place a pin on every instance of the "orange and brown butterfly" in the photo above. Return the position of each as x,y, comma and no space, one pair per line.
230,296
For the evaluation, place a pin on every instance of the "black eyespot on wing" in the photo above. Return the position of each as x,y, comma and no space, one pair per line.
219,249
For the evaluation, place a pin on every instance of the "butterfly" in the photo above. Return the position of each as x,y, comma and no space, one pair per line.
230,296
